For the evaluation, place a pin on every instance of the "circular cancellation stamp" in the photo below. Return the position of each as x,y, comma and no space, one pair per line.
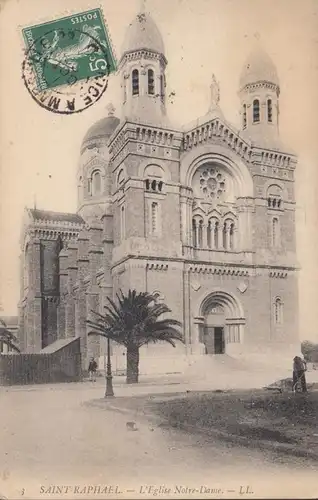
67,62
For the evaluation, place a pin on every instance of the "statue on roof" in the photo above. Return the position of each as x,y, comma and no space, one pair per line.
111,109
215,93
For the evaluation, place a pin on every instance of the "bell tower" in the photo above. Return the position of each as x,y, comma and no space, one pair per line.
259,95
142,69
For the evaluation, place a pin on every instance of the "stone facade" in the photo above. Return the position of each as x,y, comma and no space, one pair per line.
204,217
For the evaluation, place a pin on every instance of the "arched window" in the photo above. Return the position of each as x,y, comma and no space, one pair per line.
275,232
197,232
244,116
162,86
151,82
96,183
224,236
275,197
209,234
278,311
154,217
256,111
216,235
154,185
231,236
194,233
135,82
269,110
200,234
122,222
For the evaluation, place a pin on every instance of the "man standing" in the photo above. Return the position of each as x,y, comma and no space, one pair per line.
92,367
299,368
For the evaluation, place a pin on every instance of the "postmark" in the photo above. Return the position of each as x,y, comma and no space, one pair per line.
68,62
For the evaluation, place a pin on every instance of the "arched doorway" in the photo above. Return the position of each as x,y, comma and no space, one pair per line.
223,322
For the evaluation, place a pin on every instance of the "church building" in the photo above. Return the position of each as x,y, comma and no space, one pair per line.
203,217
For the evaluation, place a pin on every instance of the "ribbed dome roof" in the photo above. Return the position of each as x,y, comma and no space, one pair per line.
258,68
103,128
143,33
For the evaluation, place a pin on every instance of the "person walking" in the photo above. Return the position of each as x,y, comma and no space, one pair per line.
299,368
92,368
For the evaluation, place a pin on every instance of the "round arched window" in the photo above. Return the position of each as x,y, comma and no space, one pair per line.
96,183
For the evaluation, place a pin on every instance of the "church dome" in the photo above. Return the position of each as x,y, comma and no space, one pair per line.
143,33
258,68
103,128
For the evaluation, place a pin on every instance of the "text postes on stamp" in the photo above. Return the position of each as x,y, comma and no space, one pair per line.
68,61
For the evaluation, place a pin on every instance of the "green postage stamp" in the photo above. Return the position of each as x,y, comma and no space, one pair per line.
70,49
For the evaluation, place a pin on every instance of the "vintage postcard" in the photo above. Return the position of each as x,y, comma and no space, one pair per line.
158,275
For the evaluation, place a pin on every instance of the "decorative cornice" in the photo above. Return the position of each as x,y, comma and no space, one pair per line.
144,134
278,274
216,128
156,266
135,55
274,159
54,233
251,153
250,87
220,270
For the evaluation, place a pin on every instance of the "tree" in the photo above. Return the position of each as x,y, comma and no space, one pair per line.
133,322
7,337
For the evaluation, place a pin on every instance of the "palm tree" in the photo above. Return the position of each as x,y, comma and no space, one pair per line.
134,322
7,338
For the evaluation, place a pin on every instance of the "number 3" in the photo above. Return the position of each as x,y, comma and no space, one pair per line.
94,66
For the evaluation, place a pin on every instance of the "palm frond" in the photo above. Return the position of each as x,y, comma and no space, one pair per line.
134,319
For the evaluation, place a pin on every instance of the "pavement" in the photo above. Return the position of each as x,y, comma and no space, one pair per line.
56,445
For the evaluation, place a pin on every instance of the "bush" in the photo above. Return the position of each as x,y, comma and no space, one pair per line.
310,351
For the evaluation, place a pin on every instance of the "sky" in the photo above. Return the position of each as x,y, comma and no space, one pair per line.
40,150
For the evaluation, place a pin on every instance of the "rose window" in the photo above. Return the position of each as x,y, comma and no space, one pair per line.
212,183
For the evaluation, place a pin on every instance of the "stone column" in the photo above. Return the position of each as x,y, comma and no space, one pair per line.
34,341
82,283
61,326
106,285
95,253
21,320
186,308
189,222
198,346
72,275
93,342
184,219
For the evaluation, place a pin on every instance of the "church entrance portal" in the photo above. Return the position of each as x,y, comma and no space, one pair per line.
214,324
222,323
